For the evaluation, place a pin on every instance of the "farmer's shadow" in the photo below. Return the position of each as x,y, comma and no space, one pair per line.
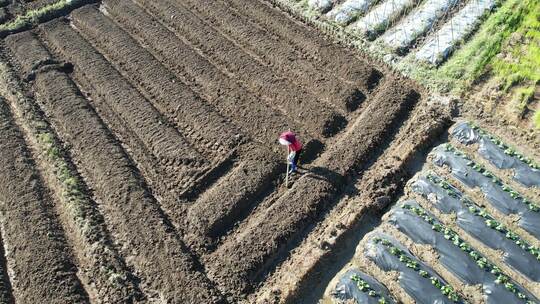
322,173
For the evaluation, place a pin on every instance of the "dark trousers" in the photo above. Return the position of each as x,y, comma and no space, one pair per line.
297,157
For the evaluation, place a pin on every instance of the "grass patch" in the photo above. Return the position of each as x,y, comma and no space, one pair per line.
537,119
479,55
524,63
34,17
471,61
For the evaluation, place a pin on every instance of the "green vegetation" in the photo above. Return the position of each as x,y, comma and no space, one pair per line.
34,17
490,221
364,287
481,261
494,179
523,49
507,47
471,61
403,257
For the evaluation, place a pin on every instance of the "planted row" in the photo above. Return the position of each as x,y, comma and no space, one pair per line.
421,282
477,222
490,221
349,11
380,17
365,287
506,148
501,196
502,156
403,34
362,288
482,262
494,179
446,289
442,43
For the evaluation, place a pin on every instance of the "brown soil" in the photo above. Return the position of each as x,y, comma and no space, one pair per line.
34,243
278,53
257,118
169,112
260,79
309,42
311,266
109,173
101,270
237,264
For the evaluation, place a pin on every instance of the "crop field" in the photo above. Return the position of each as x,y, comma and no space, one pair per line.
465,230
484,51
141,164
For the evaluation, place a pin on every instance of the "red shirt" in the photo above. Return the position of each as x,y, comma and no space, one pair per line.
295,144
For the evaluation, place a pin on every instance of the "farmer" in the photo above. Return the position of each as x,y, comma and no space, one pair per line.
294,148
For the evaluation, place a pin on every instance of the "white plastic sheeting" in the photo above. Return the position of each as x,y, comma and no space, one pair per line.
321,5
380,17
349,10
441,44
403,34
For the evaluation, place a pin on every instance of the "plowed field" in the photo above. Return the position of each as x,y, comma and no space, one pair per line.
140,162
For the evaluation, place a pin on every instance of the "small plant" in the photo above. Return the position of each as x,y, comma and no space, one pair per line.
365,287
446,290
507,149
481,261
497,181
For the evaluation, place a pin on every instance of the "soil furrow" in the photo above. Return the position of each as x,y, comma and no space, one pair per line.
331,57
166,91
37,256
279,54
231,199
162,176
141,231
291,99
6,292
102,271
258,119
238,264
93,71
309,265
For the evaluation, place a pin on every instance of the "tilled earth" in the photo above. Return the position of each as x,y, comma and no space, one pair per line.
140,156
